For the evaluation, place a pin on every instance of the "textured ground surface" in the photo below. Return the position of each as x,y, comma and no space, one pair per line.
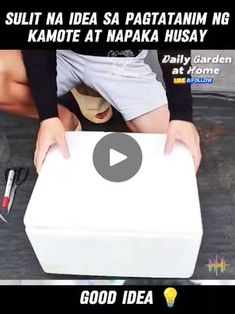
215,119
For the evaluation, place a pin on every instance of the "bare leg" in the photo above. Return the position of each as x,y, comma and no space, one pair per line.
15,95
156,121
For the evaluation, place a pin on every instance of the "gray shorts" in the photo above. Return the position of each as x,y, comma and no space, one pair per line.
127,83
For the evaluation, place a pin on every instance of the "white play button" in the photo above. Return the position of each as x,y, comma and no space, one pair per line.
115,157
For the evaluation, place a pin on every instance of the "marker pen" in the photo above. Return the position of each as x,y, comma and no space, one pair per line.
6,197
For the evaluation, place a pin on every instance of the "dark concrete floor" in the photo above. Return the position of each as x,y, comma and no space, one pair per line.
216,179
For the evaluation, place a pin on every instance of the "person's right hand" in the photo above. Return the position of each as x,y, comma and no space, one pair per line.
51,132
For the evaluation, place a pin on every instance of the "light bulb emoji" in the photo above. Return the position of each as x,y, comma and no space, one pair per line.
170,295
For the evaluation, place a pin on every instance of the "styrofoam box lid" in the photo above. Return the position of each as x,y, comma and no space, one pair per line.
161,197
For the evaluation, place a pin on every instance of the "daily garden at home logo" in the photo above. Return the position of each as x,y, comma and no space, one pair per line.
197,69
217,264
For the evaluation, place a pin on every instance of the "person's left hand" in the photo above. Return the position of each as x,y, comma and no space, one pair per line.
187,133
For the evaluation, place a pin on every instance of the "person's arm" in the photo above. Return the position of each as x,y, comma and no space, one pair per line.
40,67
179,97
41,71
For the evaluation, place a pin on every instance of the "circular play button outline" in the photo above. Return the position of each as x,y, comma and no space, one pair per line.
122,170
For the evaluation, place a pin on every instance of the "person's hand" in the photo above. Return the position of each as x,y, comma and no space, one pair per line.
51,132
185,132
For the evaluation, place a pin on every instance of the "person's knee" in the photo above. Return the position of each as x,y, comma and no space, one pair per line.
156,121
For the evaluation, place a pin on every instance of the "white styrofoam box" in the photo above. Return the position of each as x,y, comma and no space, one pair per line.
147,226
